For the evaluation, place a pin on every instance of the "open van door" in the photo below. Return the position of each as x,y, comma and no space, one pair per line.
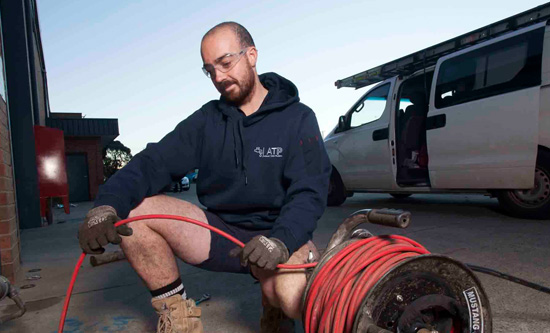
360,148
482,124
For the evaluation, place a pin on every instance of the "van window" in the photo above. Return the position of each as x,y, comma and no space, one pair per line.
370,107
502,67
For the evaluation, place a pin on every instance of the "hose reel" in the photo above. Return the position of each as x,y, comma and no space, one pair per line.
398,286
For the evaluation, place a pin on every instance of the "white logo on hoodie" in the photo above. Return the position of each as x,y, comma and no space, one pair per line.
269,151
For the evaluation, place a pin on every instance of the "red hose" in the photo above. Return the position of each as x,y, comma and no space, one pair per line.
150,217
340,286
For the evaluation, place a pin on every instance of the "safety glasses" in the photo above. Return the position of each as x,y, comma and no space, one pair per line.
224,63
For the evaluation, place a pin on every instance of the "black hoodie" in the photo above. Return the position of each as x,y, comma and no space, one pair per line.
269,170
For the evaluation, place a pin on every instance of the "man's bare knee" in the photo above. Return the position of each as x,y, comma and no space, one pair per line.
163,204
290,284
189,242
145,207
139,229
155,205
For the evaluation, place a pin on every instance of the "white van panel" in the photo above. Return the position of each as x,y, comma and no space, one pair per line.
362,165
486,144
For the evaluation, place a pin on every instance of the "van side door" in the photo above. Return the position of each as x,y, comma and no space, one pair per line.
363,147
482,125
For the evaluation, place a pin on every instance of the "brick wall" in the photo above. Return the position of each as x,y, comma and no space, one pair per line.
92,148
9,225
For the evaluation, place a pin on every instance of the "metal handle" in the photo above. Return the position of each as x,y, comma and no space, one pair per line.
396,218
387,217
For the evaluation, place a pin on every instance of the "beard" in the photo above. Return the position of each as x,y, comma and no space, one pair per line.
245,87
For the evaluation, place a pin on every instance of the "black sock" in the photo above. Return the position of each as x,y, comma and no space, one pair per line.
173,288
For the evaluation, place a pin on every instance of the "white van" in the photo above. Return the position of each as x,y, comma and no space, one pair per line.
471,114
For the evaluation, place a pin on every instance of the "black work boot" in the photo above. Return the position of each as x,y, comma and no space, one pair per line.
275,321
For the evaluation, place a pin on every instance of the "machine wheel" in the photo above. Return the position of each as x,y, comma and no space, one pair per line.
400,195
336,190
533,203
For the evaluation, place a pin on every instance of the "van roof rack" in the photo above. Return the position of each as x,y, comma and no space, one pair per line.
429,56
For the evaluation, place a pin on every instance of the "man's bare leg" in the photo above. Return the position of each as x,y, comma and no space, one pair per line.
284,288
151,248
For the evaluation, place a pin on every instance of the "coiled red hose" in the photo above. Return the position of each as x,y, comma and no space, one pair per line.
150,217
343,282
338,288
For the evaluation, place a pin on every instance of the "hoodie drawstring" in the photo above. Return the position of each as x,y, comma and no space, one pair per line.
235,132
243,151
238,136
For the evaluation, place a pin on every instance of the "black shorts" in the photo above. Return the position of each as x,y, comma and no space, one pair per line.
218,258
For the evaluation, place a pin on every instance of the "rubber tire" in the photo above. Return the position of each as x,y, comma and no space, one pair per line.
336,190
400,196
509,202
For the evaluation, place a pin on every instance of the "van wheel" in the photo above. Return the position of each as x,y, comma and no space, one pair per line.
336,190
400,195
533,203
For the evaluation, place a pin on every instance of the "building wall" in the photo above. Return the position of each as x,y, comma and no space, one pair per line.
9,226
92,147
10,247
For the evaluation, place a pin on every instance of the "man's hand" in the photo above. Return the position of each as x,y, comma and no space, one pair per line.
98,230
263,252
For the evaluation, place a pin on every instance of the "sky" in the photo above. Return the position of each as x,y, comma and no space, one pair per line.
139,61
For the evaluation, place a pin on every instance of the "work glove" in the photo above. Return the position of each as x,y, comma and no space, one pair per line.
263,252
98,230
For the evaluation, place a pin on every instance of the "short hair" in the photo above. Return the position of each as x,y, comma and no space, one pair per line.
245,39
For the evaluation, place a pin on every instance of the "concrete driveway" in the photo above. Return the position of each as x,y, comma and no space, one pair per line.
111,298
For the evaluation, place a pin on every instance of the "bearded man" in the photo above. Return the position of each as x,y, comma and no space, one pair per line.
264,176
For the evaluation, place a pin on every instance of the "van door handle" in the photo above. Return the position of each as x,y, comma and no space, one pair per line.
434,122
381,134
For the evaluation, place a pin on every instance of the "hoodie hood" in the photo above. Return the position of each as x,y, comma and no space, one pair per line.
281,93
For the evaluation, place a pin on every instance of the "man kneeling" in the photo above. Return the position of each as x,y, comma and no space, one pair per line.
264,176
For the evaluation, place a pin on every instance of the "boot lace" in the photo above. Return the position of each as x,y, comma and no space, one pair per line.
164,324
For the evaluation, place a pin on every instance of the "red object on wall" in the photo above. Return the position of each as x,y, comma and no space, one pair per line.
52,167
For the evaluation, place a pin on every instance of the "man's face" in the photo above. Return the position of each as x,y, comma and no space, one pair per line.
237,84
